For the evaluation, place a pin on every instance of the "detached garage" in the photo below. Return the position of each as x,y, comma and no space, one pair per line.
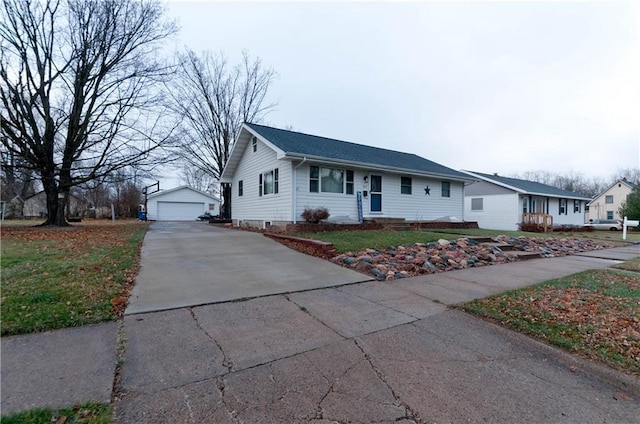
180,204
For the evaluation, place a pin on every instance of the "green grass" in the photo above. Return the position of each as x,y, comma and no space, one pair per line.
630,265
350,241
57,278
90,413
593,313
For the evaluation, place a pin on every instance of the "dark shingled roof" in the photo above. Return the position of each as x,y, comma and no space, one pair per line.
530,186
299,144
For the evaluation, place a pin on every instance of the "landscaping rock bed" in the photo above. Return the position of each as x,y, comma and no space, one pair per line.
397,262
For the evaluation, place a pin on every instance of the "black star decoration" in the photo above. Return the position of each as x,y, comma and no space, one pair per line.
427,191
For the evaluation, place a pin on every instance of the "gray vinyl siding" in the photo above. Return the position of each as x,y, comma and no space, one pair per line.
416,206
571,217
499,211
504,211
252,207
338,204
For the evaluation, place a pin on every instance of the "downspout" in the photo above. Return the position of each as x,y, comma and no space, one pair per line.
295,191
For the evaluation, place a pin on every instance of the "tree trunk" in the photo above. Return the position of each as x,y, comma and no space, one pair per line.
56,201
226,201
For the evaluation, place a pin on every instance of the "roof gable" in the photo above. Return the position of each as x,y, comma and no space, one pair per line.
171,190
527,187
629,184
293,145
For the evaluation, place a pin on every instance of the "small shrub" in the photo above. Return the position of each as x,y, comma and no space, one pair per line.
316,215
530,227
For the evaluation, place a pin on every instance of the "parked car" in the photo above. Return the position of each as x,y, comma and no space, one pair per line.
206,216
604,224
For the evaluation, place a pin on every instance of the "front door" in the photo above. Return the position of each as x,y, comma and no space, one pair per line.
376,193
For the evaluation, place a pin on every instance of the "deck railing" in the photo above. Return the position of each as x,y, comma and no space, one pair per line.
541,221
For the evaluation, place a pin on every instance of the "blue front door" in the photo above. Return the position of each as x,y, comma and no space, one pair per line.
376,193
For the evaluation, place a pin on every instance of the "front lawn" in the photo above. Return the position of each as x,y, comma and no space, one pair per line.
355,241
65,277
594,313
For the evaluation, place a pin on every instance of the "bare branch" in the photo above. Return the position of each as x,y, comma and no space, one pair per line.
79,88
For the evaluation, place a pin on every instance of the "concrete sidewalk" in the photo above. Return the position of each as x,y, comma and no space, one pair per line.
373,351
369,352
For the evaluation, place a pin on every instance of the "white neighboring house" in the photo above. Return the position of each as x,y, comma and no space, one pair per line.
275,174
500,203
180,204
606,205
35,206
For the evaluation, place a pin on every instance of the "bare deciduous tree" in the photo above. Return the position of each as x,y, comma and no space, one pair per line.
200,180
213,99
571,181
77,93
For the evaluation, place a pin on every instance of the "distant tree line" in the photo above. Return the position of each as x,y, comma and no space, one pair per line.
578,182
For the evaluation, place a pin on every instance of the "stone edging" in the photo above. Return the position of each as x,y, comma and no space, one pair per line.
312,247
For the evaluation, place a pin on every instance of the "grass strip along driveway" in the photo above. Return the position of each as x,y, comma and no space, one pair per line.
65,277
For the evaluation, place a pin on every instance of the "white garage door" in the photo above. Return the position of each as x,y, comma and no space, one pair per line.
179,211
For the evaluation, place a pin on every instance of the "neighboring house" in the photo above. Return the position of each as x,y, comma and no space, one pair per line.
606,205
36,206
275,174
13,208
180,204
501,203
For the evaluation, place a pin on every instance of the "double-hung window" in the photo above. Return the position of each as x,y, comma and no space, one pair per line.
268,182
563,207
446,189
349,183
405,185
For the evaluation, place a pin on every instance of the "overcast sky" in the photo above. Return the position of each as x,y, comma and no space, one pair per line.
500,87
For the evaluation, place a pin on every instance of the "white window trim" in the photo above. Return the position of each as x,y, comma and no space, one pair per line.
345,182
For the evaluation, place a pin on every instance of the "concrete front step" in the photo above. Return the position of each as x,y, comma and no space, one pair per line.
481,239
523,256
502,246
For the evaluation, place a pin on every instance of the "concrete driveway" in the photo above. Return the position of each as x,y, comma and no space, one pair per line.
195,263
